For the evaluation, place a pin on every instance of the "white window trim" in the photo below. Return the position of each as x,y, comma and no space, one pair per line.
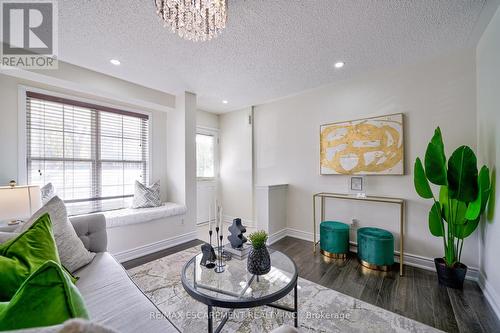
22,168
215,132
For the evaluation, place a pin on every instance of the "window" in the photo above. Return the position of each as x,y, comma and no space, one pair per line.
91,154
205,156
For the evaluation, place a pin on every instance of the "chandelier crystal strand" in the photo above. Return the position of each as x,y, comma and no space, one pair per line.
196,20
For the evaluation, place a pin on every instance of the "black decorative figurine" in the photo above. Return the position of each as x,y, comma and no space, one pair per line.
236,238
208,257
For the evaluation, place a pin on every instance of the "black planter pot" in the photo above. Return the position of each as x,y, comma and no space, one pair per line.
452,277
259,261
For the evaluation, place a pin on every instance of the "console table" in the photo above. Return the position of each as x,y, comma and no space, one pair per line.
387,200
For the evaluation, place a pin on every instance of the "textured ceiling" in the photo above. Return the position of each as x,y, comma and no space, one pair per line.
270,48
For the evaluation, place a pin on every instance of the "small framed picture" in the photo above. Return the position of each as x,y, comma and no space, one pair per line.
357,184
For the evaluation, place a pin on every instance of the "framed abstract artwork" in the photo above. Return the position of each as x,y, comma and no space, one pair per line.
371,146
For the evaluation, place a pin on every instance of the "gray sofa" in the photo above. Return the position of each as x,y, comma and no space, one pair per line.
112,298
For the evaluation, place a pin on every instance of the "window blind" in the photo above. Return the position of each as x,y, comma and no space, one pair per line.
92,154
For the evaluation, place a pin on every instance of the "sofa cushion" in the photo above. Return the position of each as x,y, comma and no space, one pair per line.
23,255
70,326
71,250
114,301
47,297
91,229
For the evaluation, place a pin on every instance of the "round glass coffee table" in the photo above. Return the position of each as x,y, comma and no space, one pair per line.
235,288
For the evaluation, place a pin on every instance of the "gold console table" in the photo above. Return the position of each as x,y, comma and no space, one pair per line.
397,201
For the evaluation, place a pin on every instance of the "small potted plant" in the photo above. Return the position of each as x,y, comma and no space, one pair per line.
456,212
259,261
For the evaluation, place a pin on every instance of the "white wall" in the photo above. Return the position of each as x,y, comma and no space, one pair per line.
79,82
181,162
206,191
207,119
488,108
436,93
236,165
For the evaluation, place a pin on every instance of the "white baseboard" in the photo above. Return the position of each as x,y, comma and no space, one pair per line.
229,220
409,258
277,236
140,251
491,295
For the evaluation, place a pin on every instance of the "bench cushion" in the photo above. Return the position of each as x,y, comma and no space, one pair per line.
126,216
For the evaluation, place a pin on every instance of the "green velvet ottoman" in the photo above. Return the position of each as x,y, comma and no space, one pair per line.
334,239
375,248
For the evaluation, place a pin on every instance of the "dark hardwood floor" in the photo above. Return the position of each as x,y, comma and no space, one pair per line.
160,254
416,295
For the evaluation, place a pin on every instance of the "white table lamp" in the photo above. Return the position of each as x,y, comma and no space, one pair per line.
19,202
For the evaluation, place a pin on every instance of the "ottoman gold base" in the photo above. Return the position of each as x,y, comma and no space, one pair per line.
333,255
383,268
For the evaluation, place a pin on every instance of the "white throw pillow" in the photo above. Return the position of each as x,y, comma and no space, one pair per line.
146,196
83,326
72,252
47,192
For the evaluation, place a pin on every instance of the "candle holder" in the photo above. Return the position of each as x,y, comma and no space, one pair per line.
226,255
219,267
211,261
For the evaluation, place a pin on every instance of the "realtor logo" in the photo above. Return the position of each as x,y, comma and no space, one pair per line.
29,34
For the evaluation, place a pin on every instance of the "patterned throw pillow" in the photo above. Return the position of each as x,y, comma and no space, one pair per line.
47,192
145,196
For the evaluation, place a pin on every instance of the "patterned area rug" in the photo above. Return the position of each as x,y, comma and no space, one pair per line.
320,309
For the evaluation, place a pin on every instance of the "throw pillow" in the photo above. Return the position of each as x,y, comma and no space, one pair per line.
146,196
5,236
71,250
47,297
21,256
84,326
47,192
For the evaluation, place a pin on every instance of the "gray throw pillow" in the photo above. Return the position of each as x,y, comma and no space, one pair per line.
47,192
5,236
145,196
72,252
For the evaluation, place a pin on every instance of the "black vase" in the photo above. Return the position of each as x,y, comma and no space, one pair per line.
259,261
452,277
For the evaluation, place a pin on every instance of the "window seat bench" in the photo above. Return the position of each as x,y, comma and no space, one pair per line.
127,216
133,233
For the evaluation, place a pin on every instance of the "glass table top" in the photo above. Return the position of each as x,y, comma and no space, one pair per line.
236,285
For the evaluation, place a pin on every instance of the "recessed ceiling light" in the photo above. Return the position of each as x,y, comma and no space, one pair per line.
225,102
339,64
115,62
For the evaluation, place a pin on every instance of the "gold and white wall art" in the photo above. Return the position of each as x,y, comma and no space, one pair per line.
371,146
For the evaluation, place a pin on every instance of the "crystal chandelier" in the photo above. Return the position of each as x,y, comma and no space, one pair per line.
196,20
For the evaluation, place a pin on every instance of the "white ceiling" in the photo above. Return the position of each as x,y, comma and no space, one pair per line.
270,48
